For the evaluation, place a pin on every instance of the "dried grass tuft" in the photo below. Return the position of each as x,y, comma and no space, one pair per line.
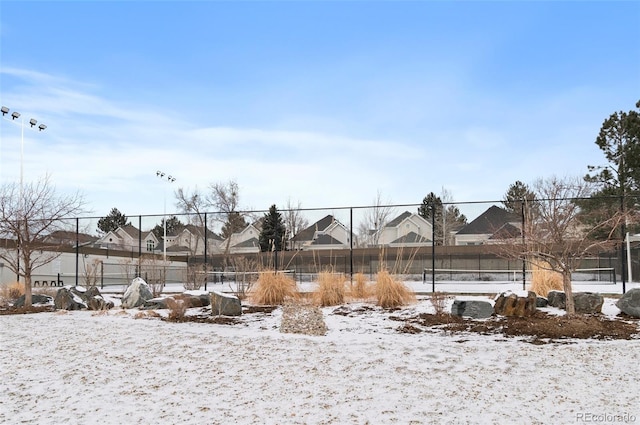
360,288
331,289
390,292
12,291
177,308
544,280
147,314
273,288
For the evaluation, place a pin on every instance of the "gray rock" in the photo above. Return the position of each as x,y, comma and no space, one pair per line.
225,304
35,299
68,299
588,302
159,303
136,294
473,308
584,302
557,299
629,303
541,302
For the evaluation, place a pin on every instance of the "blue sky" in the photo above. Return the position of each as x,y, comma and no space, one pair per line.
324,103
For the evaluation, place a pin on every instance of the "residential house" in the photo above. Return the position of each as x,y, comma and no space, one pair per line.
69,238
406,230
489,227
245,241
190,240
326,233
128,238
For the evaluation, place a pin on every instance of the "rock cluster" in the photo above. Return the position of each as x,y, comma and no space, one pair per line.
80,298
303,319
510,304
584,302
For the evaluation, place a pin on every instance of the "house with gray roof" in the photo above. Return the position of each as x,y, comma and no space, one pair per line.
406,230
492,226
326,233
128,238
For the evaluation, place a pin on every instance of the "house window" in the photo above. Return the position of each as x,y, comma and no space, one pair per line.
150,246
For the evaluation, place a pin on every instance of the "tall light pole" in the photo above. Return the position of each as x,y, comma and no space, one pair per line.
169,179
33,124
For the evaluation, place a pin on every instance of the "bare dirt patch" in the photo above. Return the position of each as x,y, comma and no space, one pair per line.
541,327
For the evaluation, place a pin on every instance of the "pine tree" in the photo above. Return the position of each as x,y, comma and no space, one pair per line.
235,223
112,221
518,193
273,231
174,225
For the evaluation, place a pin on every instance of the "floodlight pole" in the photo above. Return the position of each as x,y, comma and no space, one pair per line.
32,122
169,180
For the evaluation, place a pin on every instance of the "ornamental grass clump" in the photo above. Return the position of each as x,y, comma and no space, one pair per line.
390,292
12,291
544,280
331,289
360,288
273,288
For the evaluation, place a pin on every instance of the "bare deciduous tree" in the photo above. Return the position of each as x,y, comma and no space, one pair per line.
29,212
556,237
294,221
374,219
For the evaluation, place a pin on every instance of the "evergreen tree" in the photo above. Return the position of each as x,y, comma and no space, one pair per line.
112,221
619,181
516,194
619,139
174,226
432,206
235,223
273,231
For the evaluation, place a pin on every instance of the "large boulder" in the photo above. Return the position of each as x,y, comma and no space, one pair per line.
36,299
629,303
511,304
556,299
588,302
136,294
225,304
584,302
475,309
192,299
68,298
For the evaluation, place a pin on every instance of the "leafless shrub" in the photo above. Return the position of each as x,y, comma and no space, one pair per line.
245,276
193,279
91,272
439,302
153,271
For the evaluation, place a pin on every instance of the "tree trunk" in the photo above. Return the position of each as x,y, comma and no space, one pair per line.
27,292
568,291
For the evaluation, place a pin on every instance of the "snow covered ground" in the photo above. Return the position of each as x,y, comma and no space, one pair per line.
86,368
